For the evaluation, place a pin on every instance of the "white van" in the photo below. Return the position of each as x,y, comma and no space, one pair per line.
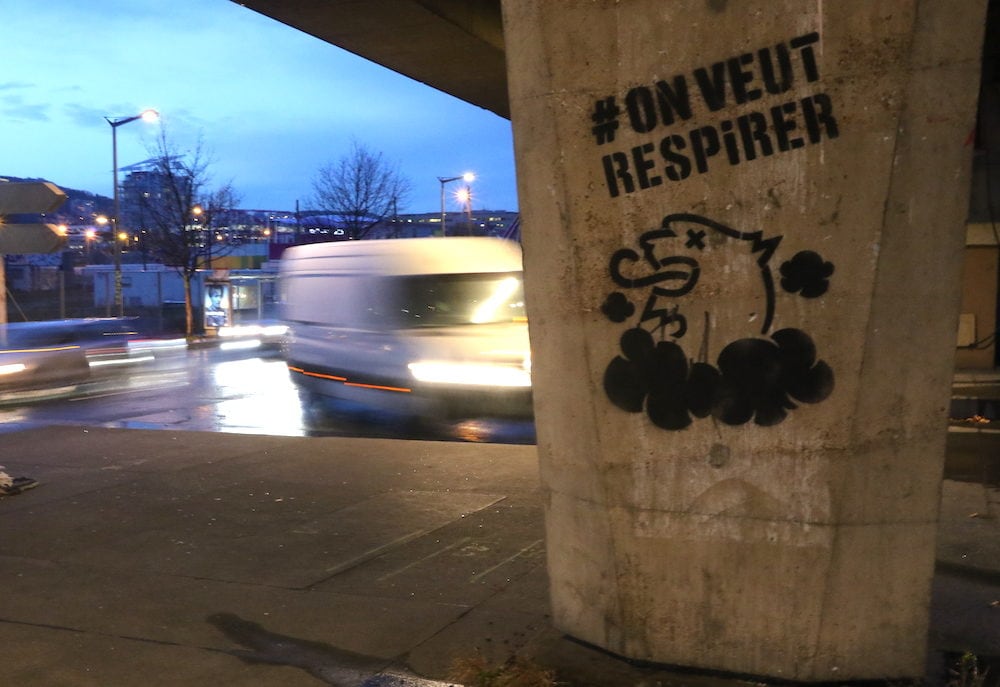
431,327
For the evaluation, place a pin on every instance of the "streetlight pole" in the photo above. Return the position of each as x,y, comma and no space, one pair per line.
465,197
115,122
196,213
468,177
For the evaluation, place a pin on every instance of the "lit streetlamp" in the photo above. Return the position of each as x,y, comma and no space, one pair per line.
468,177
146,116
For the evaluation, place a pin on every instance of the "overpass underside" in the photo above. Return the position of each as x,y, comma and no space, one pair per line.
452,45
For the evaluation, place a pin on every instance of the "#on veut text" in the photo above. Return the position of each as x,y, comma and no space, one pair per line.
663,107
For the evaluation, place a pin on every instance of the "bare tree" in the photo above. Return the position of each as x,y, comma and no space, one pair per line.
180,214
359,190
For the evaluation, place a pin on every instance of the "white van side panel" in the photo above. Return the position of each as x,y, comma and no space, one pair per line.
340,299
450,255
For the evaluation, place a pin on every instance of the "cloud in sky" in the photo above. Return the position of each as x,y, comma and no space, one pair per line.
15,109
271,103
15,85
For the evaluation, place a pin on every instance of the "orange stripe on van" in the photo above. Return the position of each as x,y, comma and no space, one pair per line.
376,386
316,374
336,378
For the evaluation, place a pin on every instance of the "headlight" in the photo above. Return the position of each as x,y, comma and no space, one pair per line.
470,374
243,345
251,330
12,368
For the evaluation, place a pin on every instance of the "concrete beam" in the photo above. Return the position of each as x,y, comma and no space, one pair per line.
451,45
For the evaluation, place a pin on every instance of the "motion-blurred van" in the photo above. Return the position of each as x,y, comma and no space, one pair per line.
431,327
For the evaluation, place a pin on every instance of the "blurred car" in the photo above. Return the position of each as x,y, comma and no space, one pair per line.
263,336
64,353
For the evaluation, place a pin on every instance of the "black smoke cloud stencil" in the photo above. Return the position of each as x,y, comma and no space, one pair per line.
806,274
656,377
753,379
617,307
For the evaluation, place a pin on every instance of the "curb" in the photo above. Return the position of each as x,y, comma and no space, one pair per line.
968,572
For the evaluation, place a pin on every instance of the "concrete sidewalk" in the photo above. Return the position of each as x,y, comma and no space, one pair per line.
162,558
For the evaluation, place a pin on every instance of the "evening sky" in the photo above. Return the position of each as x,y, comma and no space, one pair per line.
270,103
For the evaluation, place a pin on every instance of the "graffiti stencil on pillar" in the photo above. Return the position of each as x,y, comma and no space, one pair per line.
759,378
770,104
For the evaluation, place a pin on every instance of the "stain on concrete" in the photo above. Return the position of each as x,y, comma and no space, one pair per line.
325,662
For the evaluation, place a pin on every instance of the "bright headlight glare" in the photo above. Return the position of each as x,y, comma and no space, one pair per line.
470,374
275,330
12,368
106,362
271,330
245,345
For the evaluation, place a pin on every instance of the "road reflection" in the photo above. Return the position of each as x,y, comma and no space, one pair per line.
329,417
257,397
240,392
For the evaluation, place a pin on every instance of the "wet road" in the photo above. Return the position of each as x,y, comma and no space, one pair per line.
215,391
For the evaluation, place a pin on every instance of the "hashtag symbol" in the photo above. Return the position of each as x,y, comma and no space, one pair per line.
605,120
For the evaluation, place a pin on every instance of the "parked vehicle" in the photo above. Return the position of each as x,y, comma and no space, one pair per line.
423,326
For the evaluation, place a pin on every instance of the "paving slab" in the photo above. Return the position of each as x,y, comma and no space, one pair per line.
168,558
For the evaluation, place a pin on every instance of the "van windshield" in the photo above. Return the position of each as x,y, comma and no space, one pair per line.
441,300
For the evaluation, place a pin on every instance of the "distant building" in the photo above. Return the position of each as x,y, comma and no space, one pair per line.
477,223
139,187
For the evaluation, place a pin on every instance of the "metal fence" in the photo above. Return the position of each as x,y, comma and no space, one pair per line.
154,296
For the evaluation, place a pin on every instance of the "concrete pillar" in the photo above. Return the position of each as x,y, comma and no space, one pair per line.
743,225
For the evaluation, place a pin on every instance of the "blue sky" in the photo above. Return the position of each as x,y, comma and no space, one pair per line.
271,104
